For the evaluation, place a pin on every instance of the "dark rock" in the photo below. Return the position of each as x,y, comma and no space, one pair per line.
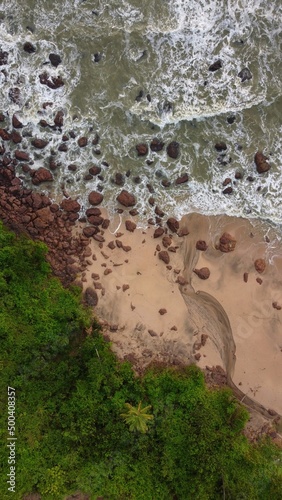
91,297
203,273
201,245
39,143
152,333
139,96
142,149
126,199
220,146
227,243
52,82
16,122
159,212
183,178
173,224
228,190
162,311
226,181
238,175
5,135
166,241
119,179
97,57
3,58
231,119
173,149
63,147
276,306
41,175
95,198
246,277
245,74
130,226
156,145
260,265
29,48
166,183
15,95
82,142
261,162
59,119
95,170
216,65
159,231
21,155
259,281
55,59
89,231
73,168
16,137
163,255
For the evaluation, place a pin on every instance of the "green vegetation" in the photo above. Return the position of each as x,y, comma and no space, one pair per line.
71,393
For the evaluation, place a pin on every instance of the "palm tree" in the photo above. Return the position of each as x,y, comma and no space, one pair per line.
136,417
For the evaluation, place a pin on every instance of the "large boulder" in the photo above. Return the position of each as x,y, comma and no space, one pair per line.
227,243
95,198
126,199
245,74
261,162
215,66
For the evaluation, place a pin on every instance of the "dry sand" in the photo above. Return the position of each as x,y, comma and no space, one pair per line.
236,321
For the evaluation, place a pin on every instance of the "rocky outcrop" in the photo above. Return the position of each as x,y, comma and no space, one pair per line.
130,226
53,82
245,74
216,65
156,145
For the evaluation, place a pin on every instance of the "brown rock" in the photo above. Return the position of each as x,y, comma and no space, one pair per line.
197,356
201,245
227,243
15,95
21,155
91,297
70,205
82,142
166,241
183,232
89,231
16,122
142,149
163,255
173,149
204,338
173,224
96,220
16,137
203,273
261,162
162,311
94,170
159,231
260,265
152,333
130,226
183,178
226,181
41,175
126,199
159,211
228,190
259,281
52,82
156,145
95,198
39,143
59,119
276,306
125,287
99,238
246,277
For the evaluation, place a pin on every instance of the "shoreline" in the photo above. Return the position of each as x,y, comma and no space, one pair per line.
156,309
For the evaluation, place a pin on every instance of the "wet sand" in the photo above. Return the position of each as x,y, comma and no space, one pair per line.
157,311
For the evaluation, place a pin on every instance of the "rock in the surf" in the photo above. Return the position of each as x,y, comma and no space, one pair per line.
245,74
261,162
70,205
95,198
173,149
216,65
156,145
55,59
126,199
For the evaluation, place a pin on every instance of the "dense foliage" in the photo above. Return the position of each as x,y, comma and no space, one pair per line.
71,393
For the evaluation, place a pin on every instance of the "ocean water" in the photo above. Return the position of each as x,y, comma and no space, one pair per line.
135,70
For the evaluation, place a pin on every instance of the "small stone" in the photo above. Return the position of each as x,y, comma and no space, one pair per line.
82,142
173,149
163,255
201,245
130,226
159,231
125,287
142,149
227,243
203,273
260,265
107,271
245,74
220,146
246,277
95,198
29,48
259,280
162,311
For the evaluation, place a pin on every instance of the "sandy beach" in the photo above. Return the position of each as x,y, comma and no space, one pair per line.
161,310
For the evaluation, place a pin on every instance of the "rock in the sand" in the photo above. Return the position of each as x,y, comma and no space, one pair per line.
163,255
259,281
156,145
227,243
91,297
16,137
276,306
246,277
152,333
201,245
173,224
55,59
159,231
203,273
183,232
94,170
181,280
162,311
173,149
166,241
70,205
95,198
130,226
89,231
112,245
126,199
125,287
96,220
261,162
204,338
216,65
39,143
142,149
245,74
260,265
15,95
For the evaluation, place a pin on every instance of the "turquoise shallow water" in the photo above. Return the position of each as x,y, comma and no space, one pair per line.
138,70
